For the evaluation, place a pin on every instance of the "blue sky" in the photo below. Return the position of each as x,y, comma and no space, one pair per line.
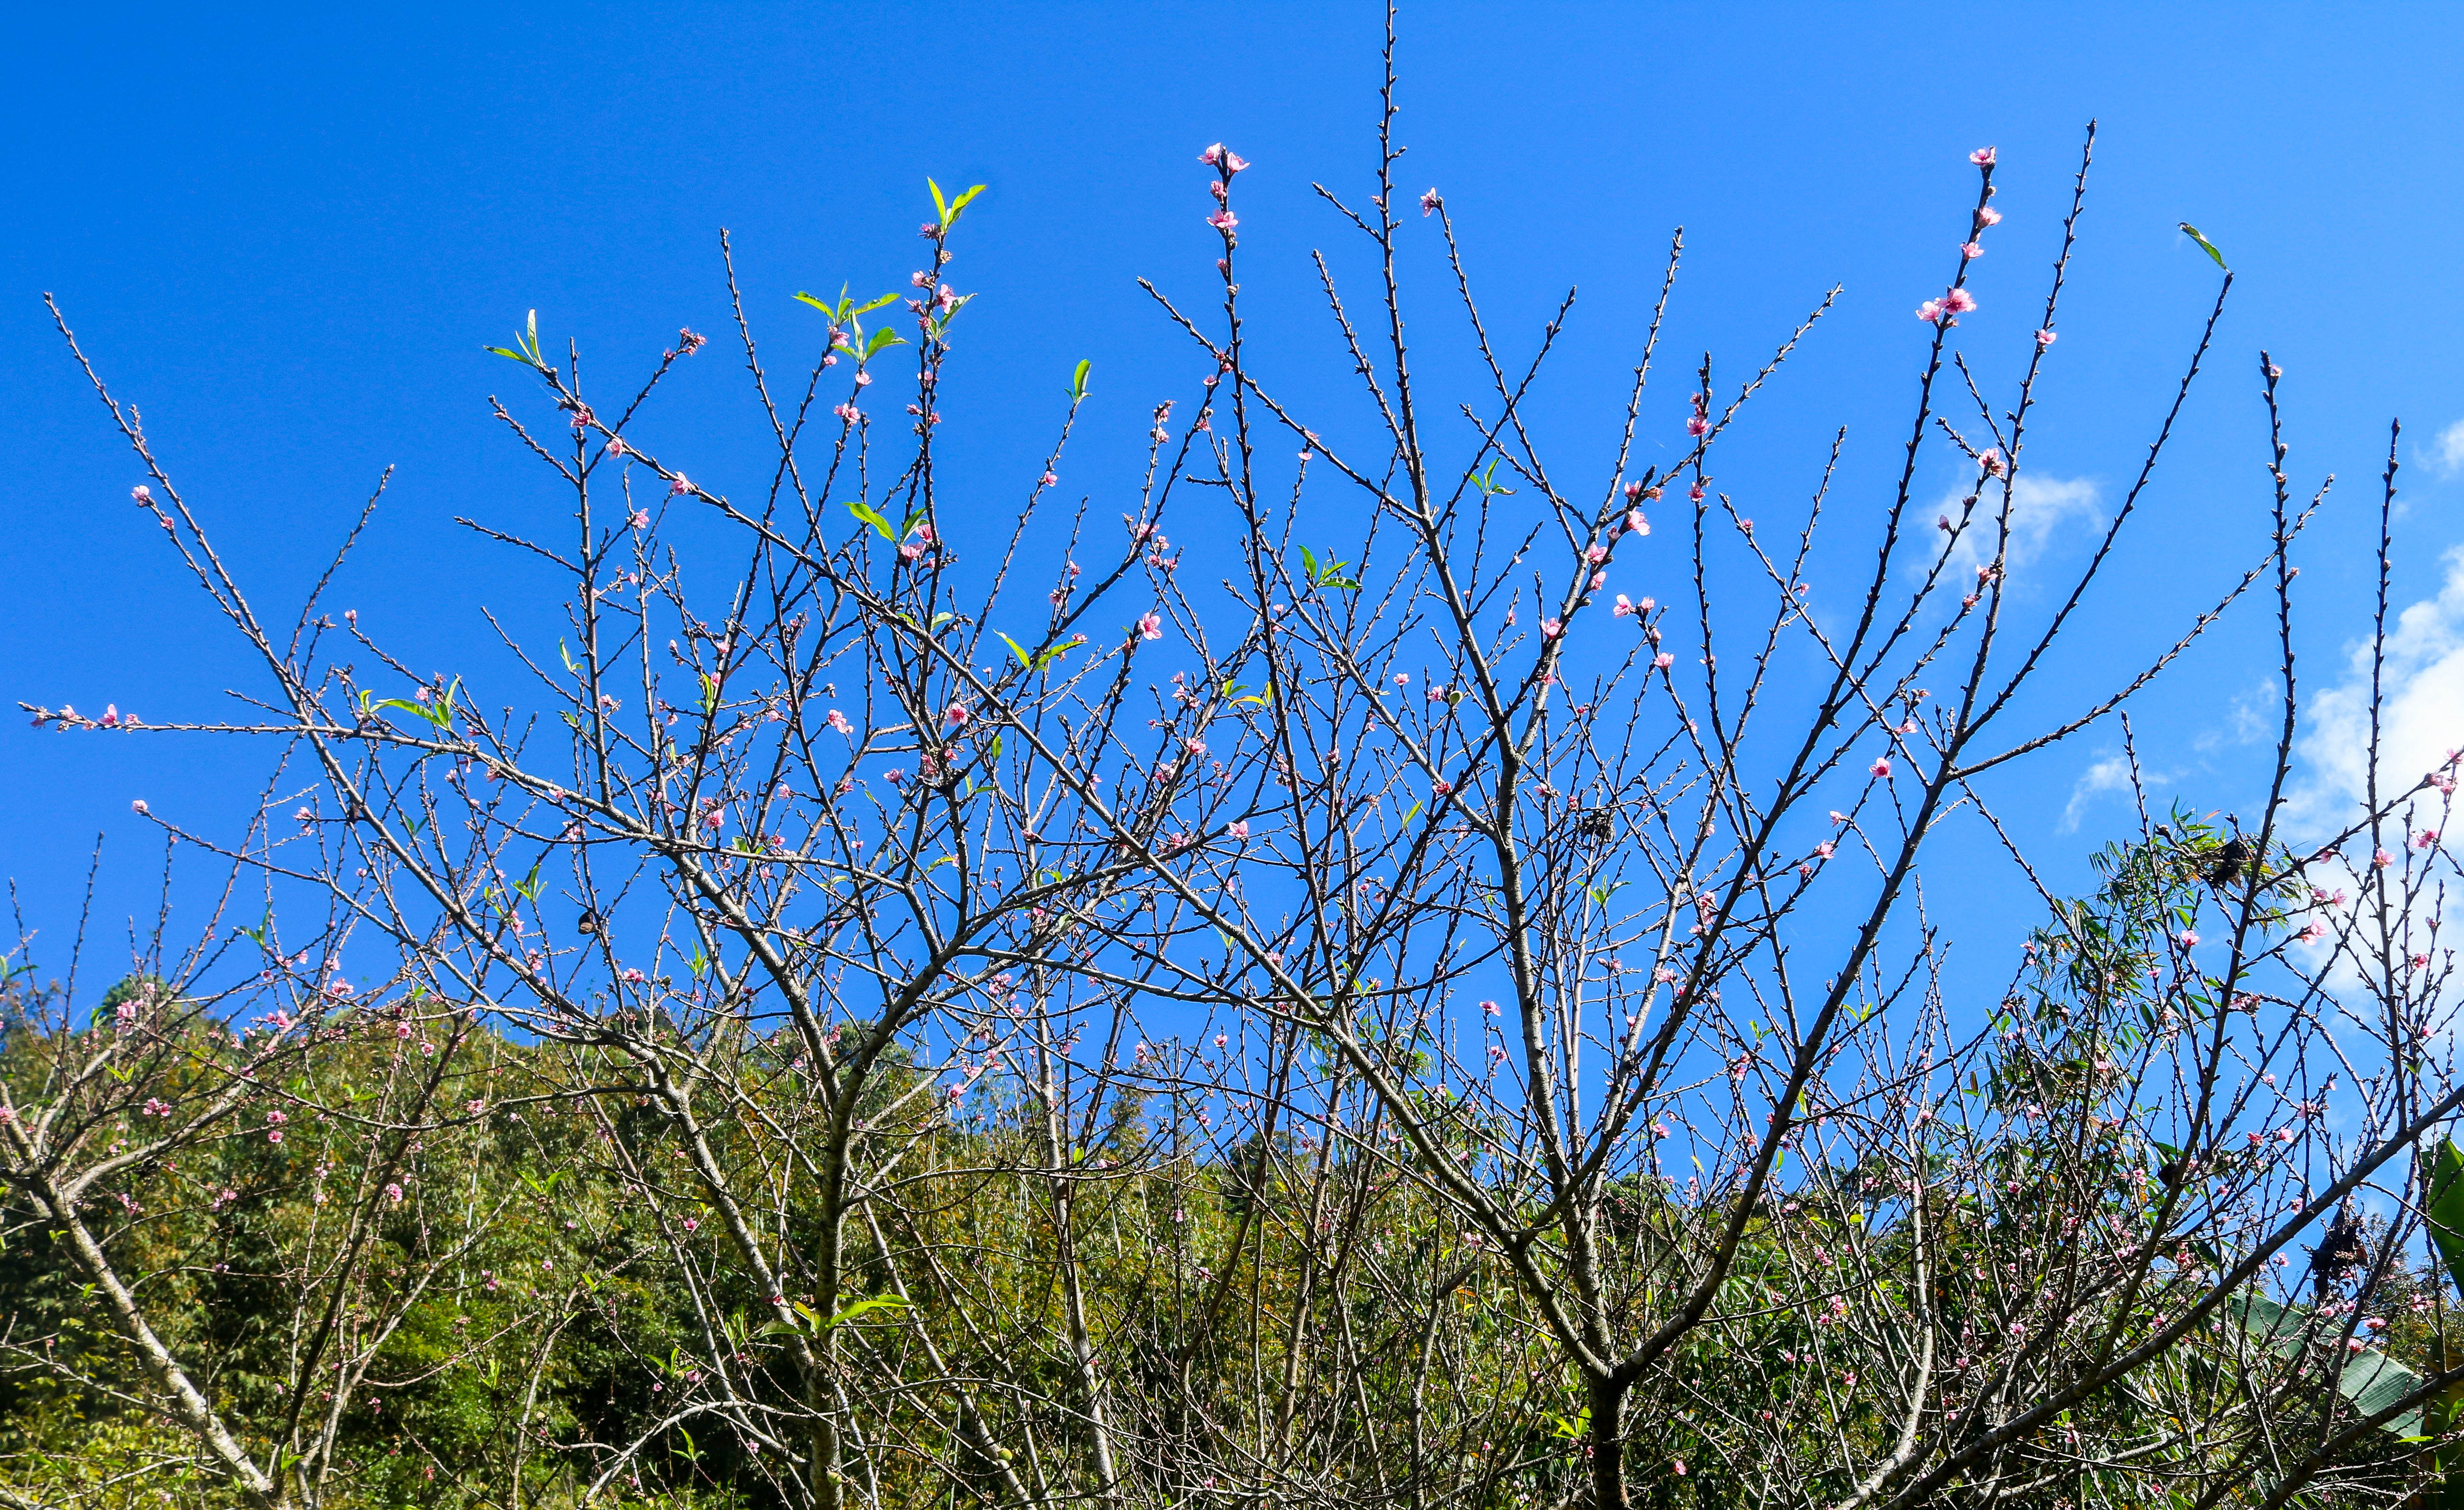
286,236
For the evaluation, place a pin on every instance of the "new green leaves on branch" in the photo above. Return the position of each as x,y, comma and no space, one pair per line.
872,517
846,309
1327,573
949,208
437,709
1044,657
526,347
847,317
813,1323
2205,245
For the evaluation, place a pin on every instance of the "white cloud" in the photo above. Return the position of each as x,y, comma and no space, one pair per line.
2041,510
2421,715
2109,774
2255,716
2446,452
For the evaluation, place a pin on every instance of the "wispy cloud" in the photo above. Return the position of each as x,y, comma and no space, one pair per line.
2447,450
2255,716
2112,773
2421,717
2043,510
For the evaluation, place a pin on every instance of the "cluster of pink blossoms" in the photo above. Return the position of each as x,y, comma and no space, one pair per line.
1947,310
69,718
1227,163
1957,301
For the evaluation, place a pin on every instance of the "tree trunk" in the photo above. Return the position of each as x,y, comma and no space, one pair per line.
1608,1445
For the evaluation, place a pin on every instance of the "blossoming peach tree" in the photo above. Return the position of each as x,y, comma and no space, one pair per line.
1404,1017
